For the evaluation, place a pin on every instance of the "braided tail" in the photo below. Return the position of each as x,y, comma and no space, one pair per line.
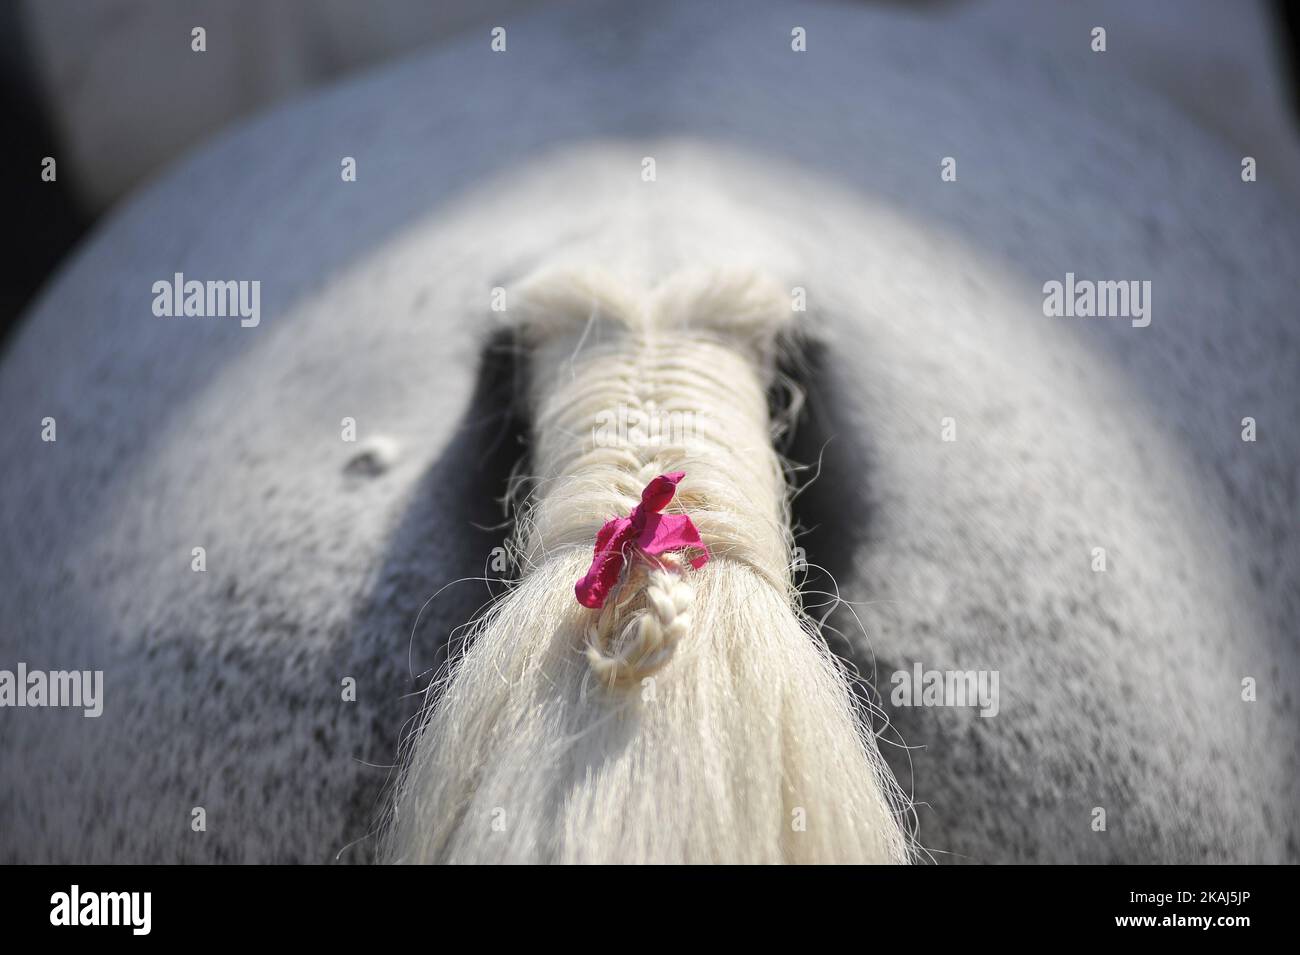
672,709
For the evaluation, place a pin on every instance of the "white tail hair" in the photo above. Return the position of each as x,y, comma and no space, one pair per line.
699,717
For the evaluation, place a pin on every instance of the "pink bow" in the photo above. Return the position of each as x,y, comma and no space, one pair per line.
645,529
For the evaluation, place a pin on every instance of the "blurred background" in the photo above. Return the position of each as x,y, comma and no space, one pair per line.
112,91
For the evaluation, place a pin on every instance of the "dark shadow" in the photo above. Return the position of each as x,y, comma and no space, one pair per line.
832,514
831,459
832,463
42,221
444,545
1286,17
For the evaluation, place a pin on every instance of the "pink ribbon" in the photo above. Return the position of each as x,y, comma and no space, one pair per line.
647,531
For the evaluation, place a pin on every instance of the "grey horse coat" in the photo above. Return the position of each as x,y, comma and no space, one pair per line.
975,453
